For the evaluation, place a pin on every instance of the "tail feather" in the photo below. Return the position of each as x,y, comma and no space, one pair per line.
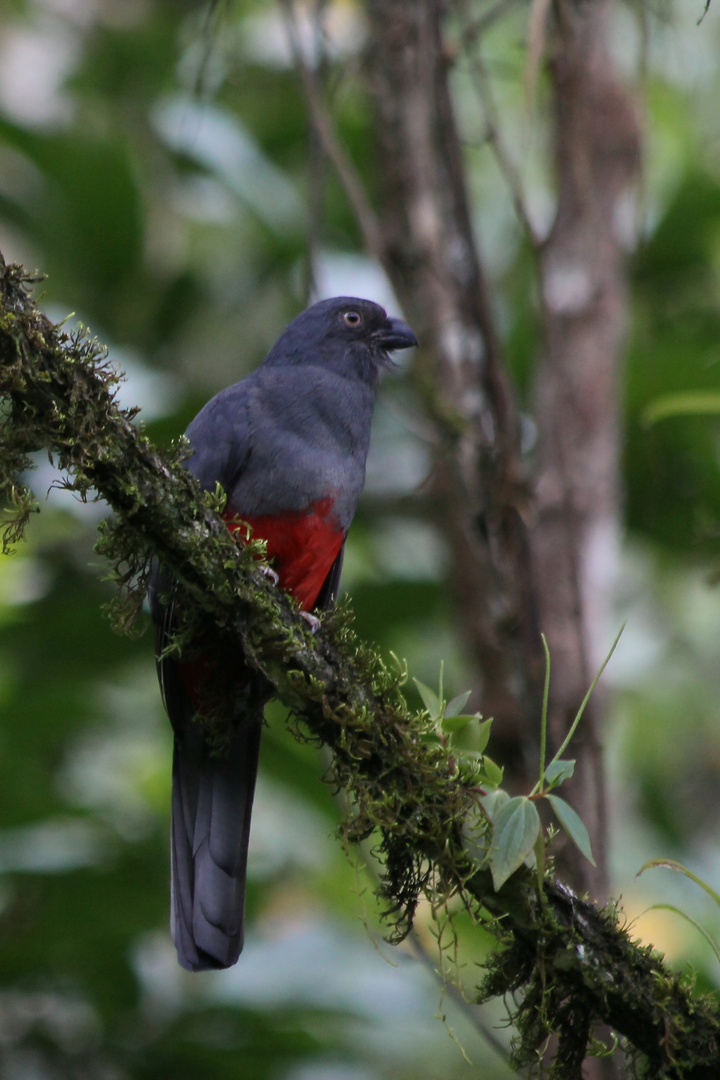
211,810
212,792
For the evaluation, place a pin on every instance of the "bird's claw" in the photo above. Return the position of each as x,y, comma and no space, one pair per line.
270,573
312,621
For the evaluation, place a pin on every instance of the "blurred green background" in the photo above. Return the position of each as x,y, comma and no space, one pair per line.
155,162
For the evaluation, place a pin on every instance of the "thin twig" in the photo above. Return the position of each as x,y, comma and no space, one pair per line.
347,174
208,40
475,28
496,142
316,165
453,991
539,11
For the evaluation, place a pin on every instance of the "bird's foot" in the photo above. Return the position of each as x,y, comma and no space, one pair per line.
270,574
312,621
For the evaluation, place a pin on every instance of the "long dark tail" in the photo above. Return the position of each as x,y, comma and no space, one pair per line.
212,792
212,796
211,807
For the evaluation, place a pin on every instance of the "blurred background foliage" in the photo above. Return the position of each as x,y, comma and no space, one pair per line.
155,162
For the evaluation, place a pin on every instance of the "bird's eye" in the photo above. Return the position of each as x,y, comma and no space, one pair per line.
352,318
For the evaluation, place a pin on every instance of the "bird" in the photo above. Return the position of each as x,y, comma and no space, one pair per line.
288,445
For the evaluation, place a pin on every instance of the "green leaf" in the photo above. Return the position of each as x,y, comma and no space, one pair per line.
693,922
470,736
493,773
673,864
430,700
456,706
516,829
483,734
690,403
456,723
558,771
493,801
572,824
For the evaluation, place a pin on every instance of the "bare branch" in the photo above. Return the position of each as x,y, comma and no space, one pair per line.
322,122
494,137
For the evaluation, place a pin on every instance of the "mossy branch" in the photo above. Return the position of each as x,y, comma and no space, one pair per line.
568,964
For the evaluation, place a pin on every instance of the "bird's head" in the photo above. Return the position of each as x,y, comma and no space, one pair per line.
347,334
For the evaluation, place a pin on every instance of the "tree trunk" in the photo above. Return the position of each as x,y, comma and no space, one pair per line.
509,581
480,491
523,560
574,538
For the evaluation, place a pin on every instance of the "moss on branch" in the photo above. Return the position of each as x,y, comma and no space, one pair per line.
568,964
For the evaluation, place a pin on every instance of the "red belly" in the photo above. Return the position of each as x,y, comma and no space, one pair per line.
302,546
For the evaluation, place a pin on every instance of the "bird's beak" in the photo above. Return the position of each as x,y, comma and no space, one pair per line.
395,334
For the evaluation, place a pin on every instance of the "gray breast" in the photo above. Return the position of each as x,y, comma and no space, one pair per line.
309,436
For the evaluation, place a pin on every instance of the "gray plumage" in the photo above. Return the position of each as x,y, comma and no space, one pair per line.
291,434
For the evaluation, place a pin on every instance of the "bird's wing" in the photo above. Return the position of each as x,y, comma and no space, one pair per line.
328,594
221,437
212,789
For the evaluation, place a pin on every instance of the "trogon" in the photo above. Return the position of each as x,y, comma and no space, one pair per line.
288,445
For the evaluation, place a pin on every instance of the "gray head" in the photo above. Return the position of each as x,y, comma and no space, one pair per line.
349,335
